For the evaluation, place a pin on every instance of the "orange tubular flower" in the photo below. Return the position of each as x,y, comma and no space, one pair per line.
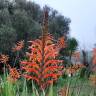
4,58
42,66
14,74
61,42
18,46
74,68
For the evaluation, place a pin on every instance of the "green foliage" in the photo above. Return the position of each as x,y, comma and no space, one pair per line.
74,86
7,38
5,17
72,44
8,89
58,25
50,93
84,73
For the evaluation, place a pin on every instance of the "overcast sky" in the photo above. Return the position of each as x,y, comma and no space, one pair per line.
83,16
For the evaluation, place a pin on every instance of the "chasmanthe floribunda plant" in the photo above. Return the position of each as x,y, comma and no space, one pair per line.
42,65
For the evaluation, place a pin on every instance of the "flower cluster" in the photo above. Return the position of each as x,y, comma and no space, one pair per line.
74,68
4,58
14,73
18,46
42,66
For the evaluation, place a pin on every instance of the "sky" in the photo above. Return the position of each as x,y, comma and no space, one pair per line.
83,18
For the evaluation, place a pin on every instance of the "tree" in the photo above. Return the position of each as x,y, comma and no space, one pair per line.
7,38
5,17
72,46
59,25
25,26
20,1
